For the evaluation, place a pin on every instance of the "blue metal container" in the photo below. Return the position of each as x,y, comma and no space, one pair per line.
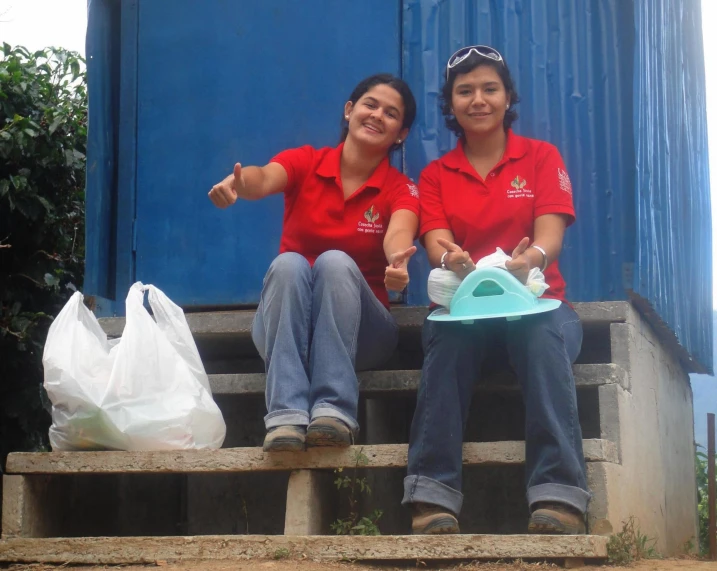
181,90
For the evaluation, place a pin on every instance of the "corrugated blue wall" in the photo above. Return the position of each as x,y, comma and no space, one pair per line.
572,63
619,88
674,254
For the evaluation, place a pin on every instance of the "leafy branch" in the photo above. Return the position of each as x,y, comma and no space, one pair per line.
43,138
355,524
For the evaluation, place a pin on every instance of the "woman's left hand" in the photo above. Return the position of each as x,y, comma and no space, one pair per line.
396,278
520,264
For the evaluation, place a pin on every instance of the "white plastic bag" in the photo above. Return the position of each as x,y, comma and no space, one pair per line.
442,284
536,280
146,391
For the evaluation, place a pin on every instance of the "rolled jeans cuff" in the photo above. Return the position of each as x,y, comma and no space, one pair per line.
570,495
286,418
326,409
420,489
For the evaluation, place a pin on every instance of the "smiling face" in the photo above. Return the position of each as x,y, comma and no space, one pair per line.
479,100
376,119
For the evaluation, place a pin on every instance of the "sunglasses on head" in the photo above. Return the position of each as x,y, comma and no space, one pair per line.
463,53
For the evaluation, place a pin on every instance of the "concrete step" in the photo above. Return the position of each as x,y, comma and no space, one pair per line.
376,383
256,460
149,550
215,324
224,337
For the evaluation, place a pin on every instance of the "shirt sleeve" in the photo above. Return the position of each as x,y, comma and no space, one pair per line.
405,195
433,216
296,163
554,192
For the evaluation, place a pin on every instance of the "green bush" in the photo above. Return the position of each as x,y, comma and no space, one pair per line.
702,500
43,134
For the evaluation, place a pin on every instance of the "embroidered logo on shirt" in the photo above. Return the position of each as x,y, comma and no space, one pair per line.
519,190
564,181
371,215
370,226
518,183
413,189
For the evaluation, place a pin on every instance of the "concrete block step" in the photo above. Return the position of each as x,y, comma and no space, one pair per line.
256,460
217,324
149,550
376,383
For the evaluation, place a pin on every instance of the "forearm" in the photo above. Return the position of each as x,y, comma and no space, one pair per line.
397,240
400,233
434,250
549,232
253,187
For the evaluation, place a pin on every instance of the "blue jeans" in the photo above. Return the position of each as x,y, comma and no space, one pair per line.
541,349
314,328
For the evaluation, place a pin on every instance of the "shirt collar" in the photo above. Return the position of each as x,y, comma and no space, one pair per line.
330,167
515,148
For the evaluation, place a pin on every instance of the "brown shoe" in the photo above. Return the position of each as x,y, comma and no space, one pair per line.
328,431
288,438
429,519
556,518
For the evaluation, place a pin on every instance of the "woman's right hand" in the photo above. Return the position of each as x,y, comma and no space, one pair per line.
225,193
456,259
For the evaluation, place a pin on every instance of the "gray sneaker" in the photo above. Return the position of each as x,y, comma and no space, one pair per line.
328,431
288,438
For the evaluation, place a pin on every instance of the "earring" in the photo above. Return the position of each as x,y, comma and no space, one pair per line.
398,142
507,106
347,117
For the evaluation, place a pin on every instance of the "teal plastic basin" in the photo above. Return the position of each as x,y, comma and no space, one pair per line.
490,293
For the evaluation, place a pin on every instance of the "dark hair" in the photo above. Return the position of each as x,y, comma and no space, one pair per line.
409,101
466,66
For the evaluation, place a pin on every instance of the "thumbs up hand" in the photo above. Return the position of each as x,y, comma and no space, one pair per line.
519,265
225,193
456,259
396,278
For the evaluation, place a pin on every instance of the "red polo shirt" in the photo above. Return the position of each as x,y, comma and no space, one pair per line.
529,181
317,218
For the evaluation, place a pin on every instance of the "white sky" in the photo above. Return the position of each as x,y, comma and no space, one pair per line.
37,24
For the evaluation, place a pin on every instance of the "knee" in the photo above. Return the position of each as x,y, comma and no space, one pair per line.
436,334
288,267
335,262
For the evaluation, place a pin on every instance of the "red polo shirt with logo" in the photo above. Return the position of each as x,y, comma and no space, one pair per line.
529,181
317,218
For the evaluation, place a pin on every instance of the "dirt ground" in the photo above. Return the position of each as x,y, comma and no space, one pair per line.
298,565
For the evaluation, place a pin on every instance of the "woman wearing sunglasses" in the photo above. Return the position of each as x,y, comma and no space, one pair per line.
349,224
496,189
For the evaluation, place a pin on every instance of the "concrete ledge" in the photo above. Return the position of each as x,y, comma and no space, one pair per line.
238,323
254,459
382,382
136,550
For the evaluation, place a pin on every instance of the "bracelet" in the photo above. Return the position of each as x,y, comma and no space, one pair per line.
443,260
545,257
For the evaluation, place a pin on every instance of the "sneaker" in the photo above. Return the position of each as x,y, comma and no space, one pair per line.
556,518
287,438
328,431
429,519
